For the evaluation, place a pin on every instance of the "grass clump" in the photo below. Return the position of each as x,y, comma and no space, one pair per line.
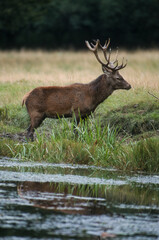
6,147
135,119
144,155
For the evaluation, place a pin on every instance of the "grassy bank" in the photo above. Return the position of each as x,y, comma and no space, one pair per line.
122,133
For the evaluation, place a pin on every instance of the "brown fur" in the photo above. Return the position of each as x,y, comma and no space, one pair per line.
78,99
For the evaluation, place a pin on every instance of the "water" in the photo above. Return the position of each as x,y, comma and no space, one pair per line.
58,201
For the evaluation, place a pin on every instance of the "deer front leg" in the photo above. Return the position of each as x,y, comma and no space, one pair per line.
30,133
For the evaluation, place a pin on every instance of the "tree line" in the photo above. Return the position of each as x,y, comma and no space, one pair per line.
51,24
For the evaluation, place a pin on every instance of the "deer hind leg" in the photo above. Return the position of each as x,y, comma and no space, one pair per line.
36,120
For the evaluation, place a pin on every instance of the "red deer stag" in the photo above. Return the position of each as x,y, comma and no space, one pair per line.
79,99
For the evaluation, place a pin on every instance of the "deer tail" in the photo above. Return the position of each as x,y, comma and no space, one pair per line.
25,98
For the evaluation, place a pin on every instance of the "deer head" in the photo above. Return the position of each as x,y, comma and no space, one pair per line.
110,68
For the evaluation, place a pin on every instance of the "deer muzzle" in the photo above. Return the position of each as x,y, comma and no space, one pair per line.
128,86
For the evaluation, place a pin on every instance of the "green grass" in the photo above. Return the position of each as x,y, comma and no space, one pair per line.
134,119
13,92
144,155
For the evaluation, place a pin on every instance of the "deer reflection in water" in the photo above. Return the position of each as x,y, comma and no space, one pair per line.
62,197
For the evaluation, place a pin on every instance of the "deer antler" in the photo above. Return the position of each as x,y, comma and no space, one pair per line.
94,49
113,66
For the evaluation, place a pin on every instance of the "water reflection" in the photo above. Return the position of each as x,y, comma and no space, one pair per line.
65,198
57,201
88,199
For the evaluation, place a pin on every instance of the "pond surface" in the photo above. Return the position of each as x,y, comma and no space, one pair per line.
58,201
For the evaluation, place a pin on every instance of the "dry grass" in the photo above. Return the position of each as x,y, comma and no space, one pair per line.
57,68
142,70
65,67
35,68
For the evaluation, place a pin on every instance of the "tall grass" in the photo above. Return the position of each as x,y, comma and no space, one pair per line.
91,144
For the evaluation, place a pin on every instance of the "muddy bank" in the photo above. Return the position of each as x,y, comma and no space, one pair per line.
20,137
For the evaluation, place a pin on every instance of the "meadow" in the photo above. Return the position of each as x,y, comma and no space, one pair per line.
122,133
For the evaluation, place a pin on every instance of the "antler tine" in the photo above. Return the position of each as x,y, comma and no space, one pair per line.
104,49
91,46
115,67
122,65
106,45
94,49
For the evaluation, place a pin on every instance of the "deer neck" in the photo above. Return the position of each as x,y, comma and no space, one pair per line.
100,90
